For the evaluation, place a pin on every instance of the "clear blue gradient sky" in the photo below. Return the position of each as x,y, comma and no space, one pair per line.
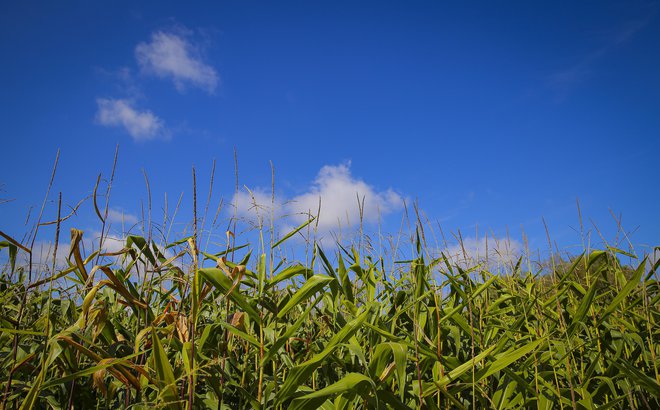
490,114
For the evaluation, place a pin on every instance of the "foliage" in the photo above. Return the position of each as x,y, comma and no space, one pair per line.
138,329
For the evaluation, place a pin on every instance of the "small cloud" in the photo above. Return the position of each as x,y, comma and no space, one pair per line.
42,256
250,204
170,55
141,125
341,196
115,242
111,243
338,193
43,250
119,216
494,251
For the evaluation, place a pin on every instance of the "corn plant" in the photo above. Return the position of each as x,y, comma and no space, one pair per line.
176,327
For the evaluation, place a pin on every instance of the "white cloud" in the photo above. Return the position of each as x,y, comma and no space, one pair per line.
114,242
496,251
42,256
111,243
141,125
338,192
169,55
119,216
43,250
250,204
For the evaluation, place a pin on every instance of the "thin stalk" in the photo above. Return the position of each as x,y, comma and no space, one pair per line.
21,310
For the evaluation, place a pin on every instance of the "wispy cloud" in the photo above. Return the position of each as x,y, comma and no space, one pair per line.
173,55
339,194
564,80
141,125
123,80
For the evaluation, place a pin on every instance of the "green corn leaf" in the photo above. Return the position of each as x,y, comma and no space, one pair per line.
639,377
313,285
380,359
344,280
632,284
288,273
303,371
237,332
167,383
217,278
295,231
457,372
123,361
290,331
582,310
353,383
13,250
506,358
33,394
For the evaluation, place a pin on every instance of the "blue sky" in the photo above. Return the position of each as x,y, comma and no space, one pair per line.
492,115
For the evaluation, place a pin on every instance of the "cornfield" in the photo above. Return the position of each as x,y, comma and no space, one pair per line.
244,326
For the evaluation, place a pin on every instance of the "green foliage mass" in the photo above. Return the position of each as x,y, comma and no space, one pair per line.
227,330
